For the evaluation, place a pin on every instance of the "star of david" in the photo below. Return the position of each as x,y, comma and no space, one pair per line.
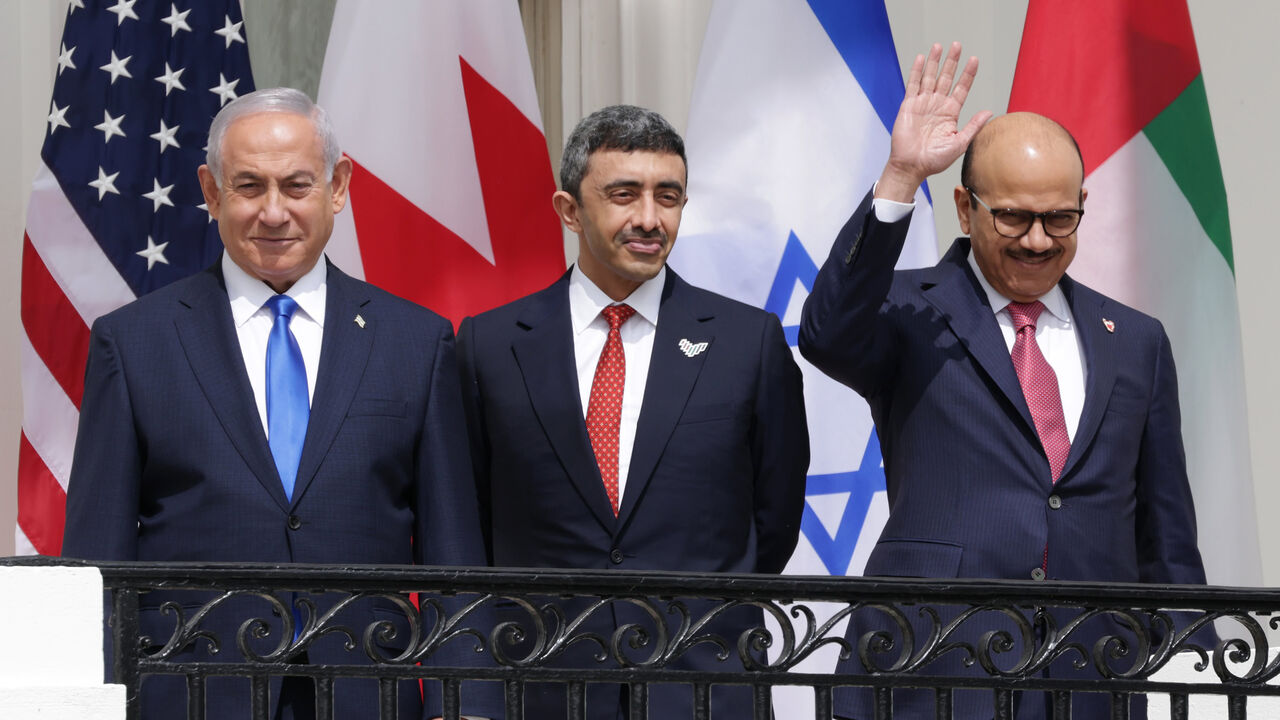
835,551
795,265
861,484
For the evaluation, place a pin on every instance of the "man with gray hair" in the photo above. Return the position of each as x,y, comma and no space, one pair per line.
274,409
623,419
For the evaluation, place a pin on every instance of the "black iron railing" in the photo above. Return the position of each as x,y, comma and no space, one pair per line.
1001,640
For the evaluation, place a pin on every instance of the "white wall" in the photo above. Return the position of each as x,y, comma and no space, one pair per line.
645,52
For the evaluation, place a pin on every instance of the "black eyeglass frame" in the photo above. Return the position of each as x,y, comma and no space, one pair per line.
1030,218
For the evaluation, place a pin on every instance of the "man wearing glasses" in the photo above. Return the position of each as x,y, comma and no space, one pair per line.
1030,426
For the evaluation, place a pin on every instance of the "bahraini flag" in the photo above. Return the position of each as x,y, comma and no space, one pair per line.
450,201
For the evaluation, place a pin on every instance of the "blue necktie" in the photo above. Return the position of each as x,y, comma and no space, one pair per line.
287,405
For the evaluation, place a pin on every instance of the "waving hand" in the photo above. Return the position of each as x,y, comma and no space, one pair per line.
926,134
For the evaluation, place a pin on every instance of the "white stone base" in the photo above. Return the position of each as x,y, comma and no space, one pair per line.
51,658
103,702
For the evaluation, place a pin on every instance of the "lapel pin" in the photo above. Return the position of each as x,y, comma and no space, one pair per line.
360,322
1110,326
691,349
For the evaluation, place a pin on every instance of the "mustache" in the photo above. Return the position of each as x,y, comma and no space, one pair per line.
1025,254
654,234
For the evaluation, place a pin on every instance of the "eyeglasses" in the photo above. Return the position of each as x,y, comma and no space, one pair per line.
1014,223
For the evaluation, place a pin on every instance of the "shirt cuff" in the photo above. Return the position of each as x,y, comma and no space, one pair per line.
891,211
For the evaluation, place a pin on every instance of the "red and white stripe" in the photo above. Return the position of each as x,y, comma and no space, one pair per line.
67,282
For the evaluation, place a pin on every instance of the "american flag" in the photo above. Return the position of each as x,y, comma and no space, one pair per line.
115,210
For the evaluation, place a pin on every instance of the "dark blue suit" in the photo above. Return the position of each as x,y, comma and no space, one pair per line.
172,463
970,491
716,481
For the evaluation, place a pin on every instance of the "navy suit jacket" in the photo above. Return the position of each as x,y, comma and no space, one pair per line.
172,463
716,481
969,485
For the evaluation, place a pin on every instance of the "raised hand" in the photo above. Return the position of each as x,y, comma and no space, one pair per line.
926,134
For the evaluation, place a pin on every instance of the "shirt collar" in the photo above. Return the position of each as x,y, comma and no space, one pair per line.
586,300
1054,301
248,294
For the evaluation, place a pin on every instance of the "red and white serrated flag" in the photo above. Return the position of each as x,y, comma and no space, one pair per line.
450,202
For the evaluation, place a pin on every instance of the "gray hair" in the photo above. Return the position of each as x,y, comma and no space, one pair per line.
284,100
618,127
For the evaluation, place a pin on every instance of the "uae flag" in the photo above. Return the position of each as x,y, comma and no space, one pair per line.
1124,77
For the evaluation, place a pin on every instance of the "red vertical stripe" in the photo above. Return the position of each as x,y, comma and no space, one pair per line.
54,327
42,504
1103,68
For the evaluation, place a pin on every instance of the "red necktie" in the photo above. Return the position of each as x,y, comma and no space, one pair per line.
1039,386
604,410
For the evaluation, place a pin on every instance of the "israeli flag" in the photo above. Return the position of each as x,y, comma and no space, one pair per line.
788,129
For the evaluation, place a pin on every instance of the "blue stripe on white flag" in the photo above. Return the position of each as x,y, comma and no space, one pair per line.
860,32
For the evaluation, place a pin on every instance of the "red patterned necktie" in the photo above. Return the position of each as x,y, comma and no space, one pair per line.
1039,386
604,410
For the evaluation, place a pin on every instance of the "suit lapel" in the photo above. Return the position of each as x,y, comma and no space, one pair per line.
671,378
344,352
208,337
1100,364
975,325
544,351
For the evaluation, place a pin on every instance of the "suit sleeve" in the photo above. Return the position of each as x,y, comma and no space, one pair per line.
447,530
447,525
843,330
780,441
478,437
1165,515
106,468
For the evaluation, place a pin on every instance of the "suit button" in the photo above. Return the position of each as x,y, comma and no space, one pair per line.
1037,574
1055,502
295,522
616,556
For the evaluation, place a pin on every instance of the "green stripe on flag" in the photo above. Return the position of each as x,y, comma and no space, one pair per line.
1182,135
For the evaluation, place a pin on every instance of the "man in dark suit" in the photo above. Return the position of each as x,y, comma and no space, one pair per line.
1030,426
622,418
214,428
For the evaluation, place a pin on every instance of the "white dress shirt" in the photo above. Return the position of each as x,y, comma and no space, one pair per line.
1056,336
253,327
253,323
1055,330
591,330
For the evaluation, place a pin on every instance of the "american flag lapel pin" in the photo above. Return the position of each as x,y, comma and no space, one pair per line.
360,321
1110,326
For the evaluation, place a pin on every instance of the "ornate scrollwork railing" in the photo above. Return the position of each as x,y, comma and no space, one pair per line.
520,626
